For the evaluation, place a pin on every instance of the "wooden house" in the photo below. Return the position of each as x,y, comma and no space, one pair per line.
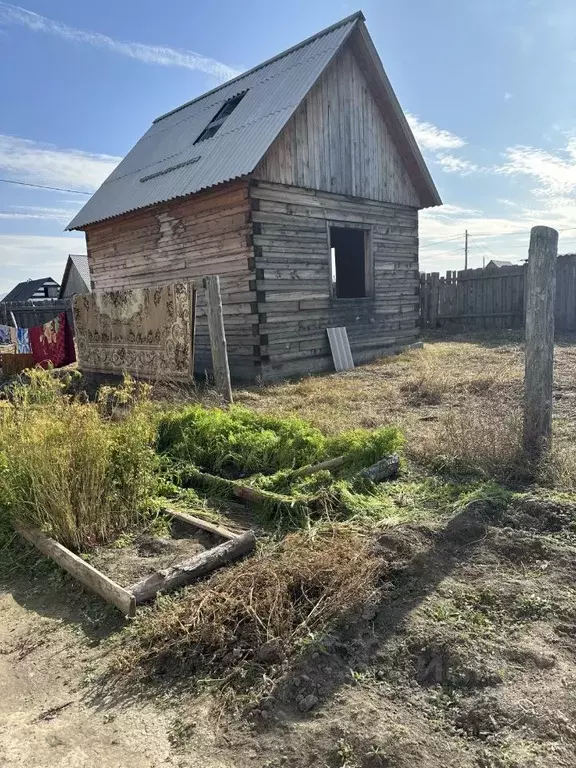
299,183
33,290
76,279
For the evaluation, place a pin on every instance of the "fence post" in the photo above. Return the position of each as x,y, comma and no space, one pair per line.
434,297
539,356
217,336
422,297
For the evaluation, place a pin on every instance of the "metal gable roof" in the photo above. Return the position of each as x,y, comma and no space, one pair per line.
80,261
26,289
166,164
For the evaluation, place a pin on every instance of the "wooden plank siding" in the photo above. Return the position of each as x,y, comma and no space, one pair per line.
292,259
338,141
207,234
493,299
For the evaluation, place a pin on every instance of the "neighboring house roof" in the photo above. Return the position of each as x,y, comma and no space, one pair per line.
499,263
80,261
25,290
167,163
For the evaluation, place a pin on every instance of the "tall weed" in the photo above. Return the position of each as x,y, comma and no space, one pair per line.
69,469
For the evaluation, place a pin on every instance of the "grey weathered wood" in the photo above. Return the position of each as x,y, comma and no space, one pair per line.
434,295
339,140
81,570
383,469
197,522
217,336
186,572
539,360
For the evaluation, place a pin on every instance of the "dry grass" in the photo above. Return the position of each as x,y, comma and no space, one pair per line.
396,389
279,599
458,401
480,441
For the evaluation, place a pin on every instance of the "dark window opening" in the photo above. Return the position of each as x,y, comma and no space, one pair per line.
225,110
348,263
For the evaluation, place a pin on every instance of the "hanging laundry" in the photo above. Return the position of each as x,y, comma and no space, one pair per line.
50,343
23,341
5,334
14,336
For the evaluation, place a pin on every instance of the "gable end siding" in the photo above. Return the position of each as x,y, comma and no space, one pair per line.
338,141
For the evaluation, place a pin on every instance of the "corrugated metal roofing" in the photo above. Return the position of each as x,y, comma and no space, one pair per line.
274,91
25,290
340,347
80,261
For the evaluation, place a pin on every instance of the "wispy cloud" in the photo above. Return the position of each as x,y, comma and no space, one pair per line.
151,54
430,137
555,172
454,164
39,213
31,161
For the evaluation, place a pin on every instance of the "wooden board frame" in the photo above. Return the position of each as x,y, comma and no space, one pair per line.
85,573
98,582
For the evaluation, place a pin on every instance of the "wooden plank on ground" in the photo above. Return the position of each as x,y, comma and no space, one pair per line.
205,525
85,573
187,571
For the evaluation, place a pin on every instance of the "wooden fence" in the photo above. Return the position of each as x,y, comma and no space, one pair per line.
29,314
492,298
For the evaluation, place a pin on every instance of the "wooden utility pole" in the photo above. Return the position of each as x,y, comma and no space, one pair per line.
539,360
466,249
217,336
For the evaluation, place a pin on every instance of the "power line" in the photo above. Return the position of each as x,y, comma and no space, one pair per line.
43,186
439,242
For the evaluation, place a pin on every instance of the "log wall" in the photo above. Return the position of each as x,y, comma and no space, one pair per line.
207,234
292,259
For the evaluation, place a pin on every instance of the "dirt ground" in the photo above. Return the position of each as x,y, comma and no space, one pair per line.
468,661
126,561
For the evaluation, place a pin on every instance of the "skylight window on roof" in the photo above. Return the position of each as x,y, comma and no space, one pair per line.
225,110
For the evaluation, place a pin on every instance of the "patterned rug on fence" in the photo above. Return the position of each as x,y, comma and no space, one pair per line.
147,332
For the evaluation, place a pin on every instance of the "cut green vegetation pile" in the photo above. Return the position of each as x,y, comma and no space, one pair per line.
70,469
239,442
259,612
215,451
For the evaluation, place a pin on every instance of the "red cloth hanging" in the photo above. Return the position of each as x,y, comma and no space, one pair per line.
50,343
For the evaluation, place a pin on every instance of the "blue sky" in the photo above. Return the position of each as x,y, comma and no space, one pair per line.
488,87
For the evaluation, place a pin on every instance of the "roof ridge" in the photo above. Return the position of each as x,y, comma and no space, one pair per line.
358,15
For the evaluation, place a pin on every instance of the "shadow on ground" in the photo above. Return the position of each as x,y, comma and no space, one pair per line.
38,585
417,559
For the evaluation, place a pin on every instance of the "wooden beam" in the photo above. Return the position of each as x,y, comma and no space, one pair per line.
383,469
310,469
217,336
85,573
197,522
539,362
184,573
